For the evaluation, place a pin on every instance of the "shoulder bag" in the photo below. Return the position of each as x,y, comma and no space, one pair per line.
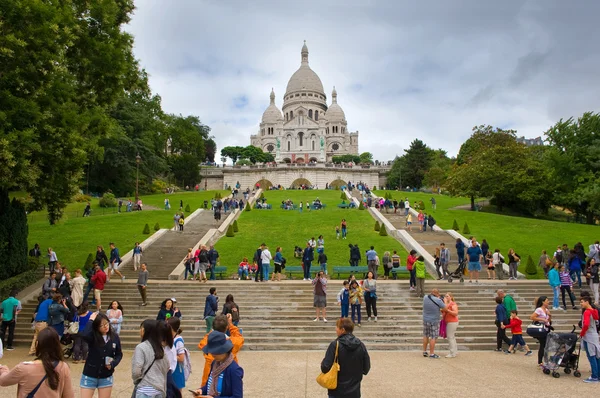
135,387
35,390
73,326
329,380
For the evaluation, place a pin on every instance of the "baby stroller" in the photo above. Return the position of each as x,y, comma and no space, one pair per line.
560,352
67,341
459,273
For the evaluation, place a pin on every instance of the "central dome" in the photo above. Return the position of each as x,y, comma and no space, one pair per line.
305,78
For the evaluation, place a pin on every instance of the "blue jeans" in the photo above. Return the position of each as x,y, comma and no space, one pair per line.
324,268
594,362
555,302
242,273
355,308
413,277
265,271
212,271
345,308
307,270
88,289
461,257
578,273
344,232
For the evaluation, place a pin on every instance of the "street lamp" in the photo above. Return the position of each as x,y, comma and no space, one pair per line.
138,159
223,159
205,181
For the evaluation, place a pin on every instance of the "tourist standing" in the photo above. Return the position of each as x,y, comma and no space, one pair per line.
225,379
372,261
419,267
57,311
460,250
230,307
574,263
176,354
356,300
322,260
344,226
211,306
370,288
307,257
542,315
101,258
450,316
98,281
513,264
410,266
554,282
203,263
354,255
104,354
278,261
48,376
320,244
142,283
593,275
137,255
353,359
589,337
213,258
80,346
52,259
474,255
444,261
115,316
498,261
40,319
265,260
320,295
501,320
150,364
387,265
10,309
343,299
432,306
168,310
50,285
114,262
566,283
77,285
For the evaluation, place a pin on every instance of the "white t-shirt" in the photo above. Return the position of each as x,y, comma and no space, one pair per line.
265,256
172,356
407,204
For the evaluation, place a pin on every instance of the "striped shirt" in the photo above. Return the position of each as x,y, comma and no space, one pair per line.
565,279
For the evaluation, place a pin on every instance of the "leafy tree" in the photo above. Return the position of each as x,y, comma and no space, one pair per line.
185,169
232,152
574,165
346,159
13,237
394,177
366,158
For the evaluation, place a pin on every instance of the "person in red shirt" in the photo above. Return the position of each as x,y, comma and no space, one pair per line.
99,279
410,261
517,333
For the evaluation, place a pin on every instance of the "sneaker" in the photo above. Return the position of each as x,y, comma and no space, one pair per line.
528,353
122,278
450,356
10,348
507,352
144,304
375,319
590,380
412,289
425,354
498,349
358,324
315,320
556,308
368,319
574,307
324,319
434,356
304,279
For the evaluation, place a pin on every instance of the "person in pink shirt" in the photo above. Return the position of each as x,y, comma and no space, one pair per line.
421,218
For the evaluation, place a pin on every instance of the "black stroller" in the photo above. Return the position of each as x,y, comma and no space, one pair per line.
560,352
459,273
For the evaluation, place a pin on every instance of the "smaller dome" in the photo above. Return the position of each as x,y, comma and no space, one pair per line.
272,114
335,113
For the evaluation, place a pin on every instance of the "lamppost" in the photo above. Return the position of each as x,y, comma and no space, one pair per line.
205,181
138,159
223,159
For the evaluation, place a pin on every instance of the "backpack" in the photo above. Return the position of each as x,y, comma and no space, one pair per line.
187,362
235,315
203,257
181,221
559,257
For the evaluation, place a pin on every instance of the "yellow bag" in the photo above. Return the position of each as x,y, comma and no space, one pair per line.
329,380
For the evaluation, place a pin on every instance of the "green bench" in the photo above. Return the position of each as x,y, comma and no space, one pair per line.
401,270
294,269
351,270
344,205
294,207
263,207
220,270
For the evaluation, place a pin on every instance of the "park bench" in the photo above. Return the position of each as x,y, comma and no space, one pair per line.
294,207
401,270
220,270
263,207
344,205
294,269
351,270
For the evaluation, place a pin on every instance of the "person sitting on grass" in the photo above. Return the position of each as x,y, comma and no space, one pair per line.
517,334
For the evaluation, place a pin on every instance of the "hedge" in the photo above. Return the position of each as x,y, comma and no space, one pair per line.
21,281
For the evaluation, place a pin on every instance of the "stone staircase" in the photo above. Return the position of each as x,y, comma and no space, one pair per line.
168,251
279,316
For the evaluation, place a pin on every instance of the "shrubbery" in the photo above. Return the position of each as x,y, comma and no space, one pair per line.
361,206
466,230
146,230
531,268
158,186
235,226
108,200
82,198
383,231
455,226
377,226
247,207
230,233
156,227
187,208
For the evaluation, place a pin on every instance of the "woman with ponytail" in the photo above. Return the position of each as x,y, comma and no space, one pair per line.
47,376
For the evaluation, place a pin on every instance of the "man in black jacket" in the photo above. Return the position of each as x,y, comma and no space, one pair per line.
353,359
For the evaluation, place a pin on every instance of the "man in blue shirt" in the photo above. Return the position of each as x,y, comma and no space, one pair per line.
10,308
372,261
432,307
40,319
474,255
114,262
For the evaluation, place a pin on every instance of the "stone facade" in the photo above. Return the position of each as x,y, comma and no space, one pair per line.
308,130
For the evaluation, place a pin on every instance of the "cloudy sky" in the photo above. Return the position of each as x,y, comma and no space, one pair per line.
402,70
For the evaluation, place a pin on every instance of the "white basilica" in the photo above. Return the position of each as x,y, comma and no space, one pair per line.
308,130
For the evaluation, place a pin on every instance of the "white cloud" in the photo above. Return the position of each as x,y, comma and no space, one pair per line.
403,70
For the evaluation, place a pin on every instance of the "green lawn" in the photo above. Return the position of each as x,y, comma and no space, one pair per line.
527,236
73,238
289,228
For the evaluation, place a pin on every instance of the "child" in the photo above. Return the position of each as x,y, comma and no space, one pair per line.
337,232
323,261
343,299
254,269
307,206
409,222
420,274
356,299
517,334
491,269
243,269
565,286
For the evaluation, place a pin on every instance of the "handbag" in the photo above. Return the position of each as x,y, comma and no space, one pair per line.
443,325
537,330
73,327
329,380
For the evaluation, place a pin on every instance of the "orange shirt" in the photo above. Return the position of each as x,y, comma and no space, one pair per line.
448,317
236,338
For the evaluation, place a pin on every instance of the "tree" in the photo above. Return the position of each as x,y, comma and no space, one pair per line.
394,177
366,158
416,162
232,152
235,226
157,227
575,168
185,169
531,268
361,206
13,237
346,159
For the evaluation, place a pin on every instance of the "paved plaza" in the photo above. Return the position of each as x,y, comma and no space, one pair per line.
291,374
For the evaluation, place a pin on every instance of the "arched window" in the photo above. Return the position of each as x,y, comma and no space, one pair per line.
310,113
316,115
313,145
291,114
300,137
289,144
